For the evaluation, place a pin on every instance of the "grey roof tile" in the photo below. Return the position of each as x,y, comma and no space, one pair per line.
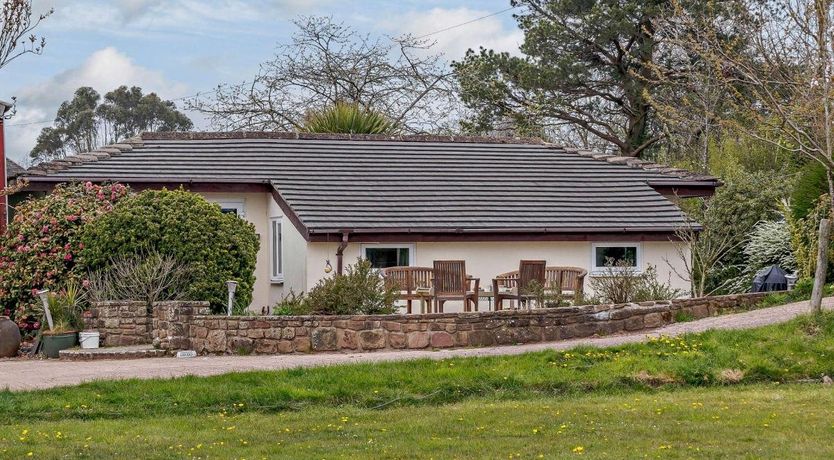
419,183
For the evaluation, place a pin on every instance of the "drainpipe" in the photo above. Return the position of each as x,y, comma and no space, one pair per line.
340,252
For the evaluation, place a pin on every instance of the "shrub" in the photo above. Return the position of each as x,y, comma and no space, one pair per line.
147,276
348,118
804,237
65,307
811,183
729,217
621,283
769,244
292,305
40,248
184,226
359,291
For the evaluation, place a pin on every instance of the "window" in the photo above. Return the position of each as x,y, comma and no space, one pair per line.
276,264
604,255
232,207
392,255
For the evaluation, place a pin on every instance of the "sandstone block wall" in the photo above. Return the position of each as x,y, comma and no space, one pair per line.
120,322
186,325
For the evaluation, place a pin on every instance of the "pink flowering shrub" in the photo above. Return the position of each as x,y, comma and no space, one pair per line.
40,247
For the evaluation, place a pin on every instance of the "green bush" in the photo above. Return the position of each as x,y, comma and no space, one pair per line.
348,118
622,283
40,248
731,214
769,244
215,246
810,184
359,291
804,238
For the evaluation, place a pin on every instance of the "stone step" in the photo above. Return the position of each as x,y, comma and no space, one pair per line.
126,352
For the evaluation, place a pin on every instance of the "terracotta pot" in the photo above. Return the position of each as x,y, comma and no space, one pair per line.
9,337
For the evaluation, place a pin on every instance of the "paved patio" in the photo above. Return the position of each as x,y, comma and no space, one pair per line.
19,375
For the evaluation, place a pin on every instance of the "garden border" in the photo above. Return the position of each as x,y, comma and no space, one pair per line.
187,325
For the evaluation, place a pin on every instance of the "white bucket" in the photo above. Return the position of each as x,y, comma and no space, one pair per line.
89,339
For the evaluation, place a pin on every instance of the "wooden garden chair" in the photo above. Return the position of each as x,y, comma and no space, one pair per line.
520,283
451,283
413,283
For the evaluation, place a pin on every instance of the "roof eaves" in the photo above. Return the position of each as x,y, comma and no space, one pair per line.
676,173
60,164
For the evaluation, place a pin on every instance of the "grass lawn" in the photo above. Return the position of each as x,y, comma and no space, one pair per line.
720,393
788,421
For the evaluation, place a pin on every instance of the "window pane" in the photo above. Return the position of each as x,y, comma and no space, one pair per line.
613,255
229,211
387,257
280,246
276,249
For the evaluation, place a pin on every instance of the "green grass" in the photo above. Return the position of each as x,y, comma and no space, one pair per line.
797,350
763,421
465,407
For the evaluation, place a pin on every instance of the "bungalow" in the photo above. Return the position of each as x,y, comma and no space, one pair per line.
320,201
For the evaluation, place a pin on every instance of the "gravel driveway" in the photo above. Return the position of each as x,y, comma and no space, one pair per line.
20,375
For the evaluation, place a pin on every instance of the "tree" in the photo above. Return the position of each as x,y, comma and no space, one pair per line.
16,31
126,112
349,119
780,83
329,62
587,75
83,123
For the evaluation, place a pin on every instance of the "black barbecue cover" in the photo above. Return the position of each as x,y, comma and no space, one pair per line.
770,278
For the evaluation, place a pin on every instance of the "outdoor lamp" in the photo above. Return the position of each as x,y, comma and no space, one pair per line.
232,287
44,295
327,267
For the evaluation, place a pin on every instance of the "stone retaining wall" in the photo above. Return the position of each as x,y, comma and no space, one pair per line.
120,323
181,325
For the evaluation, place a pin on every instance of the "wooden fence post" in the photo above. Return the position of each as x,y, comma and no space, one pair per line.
822,266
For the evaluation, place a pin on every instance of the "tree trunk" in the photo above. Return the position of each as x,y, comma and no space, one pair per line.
822,266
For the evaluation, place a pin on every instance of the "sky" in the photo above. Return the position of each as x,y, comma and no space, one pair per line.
178,48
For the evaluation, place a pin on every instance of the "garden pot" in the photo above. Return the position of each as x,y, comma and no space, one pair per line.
9,337
53,343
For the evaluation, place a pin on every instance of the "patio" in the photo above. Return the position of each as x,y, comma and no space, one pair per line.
533,285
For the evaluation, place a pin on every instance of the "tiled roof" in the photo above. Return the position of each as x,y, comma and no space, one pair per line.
414,183
13,169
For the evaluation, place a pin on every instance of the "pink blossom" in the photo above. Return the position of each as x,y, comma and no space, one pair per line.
68,257
72,218
85,283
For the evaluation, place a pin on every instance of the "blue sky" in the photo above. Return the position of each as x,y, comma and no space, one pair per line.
181,47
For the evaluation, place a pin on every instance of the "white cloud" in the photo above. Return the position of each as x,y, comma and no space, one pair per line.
104,70
489,32
133,17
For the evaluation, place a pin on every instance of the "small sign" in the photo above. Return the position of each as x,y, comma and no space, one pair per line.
187,354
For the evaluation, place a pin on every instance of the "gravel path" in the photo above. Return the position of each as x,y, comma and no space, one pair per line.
19,375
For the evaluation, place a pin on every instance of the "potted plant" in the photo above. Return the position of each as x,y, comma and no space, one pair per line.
66,308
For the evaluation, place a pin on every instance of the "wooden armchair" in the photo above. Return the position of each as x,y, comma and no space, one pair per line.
451,283
413,283
520,282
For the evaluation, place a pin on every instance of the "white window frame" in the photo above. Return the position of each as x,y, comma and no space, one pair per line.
412,250
276,276
238,205
638,263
